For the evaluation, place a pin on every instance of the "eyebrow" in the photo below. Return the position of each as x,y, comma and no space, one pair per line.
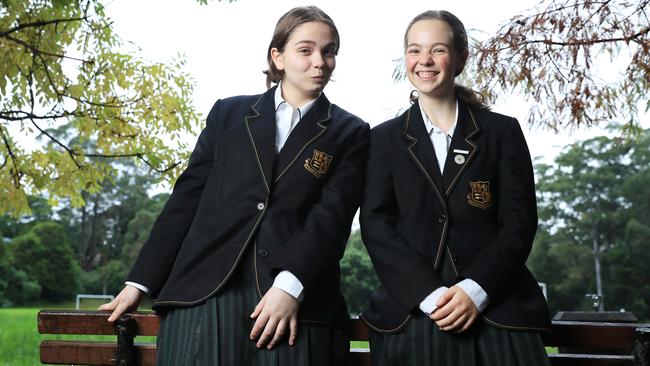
312,43
435,44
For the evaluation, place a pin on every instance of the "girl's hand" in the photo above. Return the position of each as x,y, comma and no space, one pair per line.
276,312
128,299
456,311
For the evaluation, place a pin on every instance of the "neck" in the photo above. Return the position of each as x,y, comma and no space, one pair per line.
440,110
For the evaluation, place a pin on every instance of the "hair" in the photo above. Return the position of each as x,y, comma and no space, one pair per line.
285,28
460,44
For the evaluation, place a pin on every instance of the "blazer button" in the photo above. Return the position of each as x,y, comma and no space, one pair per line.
442,218
263,252
260,206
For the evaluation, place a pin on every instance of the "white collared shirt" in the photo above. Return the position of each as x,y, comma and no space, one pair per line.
441,142
287,117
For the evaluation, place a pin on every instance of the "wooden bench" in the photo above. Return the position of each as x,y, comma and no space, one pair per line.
619,343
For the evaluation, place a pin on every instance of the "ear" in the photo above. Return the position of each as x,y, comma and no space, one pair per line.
277,58
461,62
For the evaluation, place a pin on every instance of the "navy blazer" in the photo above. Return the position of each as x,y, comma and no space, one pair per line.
295,208
481,210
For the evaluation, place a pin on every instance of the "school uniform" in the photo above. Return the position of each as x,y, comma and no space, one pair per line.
241,213
425,229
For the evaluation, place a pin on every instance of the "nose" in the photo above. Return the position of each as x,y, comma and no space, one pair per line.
426,59
318,60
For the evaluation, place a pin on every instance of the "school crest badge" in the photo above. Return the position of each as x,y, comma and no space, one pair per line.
319,163
480,195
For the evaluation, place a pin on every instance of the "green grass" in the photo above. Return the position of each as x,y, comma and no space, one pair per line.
19,337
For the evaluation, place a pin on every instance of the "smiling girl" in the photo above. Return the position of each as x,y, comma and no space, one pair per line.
448,217
243,261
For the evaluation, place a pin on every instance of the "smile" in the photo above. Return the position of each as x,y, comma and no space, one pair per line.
427,75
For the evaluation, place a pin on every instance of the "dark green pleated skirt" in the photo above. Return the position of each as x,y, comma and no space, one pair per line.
421,343
216,333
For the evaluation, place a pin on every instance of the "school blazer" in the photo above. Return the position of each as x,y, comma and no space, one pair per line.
481,213
295,209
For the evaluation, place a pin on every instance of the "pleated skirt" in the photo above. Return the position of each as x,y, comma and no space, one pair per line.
421,343
216,333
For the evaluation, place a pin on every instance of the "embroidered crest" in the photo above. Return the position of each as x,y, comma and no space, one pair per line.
319,163
480,195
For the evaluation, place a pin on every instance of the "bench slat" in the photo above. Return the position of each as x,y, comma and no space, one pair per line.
606,336
92,322
590,360
91,353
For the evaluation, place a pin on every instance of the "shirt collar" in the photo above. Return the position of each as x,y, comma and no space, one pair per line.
431,127
280,102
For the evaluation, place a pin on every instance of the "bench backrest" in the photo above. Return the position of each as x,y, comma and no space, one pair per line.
618,343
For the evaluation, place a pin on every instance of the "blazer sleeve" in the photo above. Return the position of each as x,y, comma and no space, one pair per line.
157,256
321,241
497,265
403,271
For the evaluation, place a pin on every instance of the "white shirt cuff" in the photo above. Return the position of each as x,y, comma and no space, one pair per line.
138,286
290,284
428,305
475,292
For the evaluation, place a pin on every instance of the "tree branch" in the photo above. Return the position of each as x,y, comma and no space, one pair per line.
37,51
40,23
65,147
16,174
589,42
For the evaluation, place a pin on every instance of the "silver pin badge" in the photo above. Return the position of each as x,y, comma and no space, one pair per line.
459,159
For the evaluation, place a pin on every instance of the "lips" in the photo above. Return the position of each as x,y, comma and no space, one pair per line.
427,75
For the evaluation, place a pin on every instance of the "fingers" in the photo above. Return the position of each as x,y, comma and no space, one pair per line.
445,297
279,332
293,330
268,332
260,322
275,313
442,312
129,298
258,309
109,305
121,308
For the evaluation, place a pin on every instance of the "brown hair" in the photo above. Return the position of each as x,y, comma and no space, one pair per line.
460,44
286,26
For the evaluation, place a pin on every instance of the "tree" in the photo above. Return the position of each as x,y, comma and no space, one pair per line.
16,287
358,277
45,254
594,197
579,62
63,80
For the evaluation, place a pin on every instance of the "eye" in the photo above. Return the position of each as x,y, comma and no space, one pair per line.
304,50
439,50
413,51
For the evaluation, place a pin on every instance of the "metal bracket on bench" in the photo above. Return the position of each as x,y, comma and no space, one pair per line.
642,347
126,328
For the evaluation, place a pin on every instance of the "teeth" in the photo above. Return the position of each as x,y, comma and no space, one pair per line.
427,74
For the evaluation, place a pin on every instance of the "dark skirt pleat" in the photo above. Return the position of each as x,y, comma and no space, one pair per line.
216,333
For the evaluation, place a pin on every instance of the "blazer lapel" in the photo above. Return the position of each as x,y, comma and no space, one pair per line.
309,128
462,149
260,123
421,150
